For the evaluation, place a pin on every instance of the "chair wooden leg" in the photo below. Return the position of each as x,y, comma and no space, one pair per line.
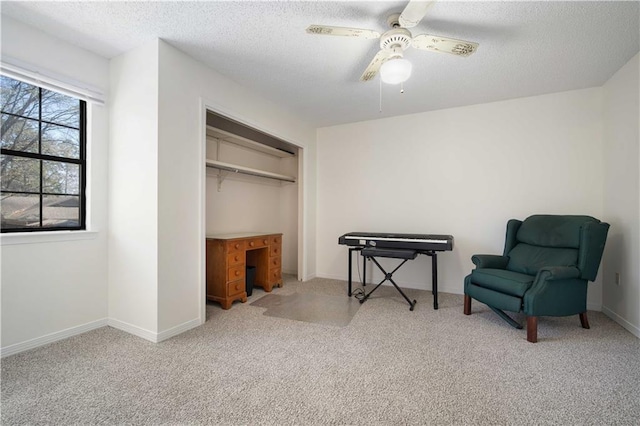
583,320
467,304
532,329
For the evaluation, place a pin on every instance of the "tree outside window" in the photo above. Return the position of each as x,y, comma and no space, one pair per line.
42,159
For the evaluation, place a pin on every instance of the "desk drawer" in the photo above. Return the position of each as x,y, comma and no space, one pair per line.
234,288
275,250
234,246
257,243
275,239
275,262
236,273
235,258
275,276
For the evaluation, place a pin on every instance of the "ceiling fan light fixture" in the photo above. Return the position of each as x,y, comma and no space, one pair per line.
395,71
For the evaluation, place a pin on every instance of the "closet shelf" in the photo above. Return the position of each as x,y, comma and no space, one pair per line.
248,171
227,137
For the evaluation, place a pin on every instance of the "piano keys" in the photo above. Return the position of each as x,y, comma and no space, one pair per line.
419,242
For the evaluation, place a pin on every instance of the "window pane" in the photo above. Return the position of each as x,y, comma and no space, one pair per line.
19,98
60,141
60,109
60,211
60,178
20,174
20,134
39,192
20,210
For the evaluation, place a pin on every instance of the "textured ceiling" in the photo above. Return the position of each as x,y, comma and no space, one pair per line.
526,48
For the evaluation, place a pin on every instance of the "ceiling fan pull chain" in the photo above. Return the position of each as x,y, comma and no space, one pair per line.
401,87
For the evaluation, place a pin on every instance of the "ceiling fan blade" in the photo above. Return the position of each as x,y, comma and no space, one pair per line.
374,66
414,12
444,45
342,31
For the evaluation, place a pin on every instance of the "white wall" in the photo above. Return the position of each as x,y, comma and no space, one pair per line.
288,215
133,192
157,191
54,286
461,171
185,87
308,182
622,196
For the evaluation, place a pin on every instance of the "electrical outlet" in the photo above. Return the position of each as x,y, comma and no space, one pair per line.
617,278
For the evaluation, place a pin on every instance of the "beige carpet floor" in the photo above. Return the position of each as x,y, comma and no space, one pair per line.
386,366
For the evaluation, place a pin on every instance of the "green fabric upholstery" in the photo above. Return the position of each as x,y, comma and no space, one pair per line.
529,259
490,261
502,280
592,239
553,231
494,298
510,240
544,270
556,297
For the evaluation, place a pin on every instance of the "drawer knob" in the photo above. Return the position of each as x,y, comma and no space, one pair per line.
265,241
275,250
236,258
251,243
237,245
237,273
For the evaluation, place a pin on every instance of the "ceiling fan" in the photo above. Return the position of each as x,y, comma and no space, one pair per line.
388,61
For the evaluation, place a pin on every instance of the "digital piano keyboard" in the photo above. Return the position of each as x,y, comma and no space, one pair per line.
420,242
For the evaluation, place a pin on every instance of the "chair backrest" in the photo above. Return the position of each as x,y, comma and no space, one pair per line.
555,240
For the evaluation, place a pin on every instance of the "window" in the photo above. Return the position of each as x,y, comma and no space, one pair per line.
42,158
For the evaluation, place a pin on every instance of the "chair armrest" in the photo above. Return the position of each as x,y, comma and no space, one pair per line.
492,261
556,291
552,273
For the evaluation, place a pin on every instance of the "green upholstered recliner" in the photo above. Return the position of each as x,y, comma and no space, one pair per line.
543,271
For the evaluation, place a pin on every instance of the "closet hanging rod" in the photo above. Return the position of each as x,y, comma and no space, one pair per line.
248,171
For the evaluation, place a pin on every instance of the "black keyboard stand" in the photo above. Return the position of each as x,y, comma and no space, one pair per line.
371,254
351,250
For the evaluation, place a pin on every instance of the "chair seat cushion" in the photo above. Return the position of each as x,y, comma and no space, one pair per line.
502,280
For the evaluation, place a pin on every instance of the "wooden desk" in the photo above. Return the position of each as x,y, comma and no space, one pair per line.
227,257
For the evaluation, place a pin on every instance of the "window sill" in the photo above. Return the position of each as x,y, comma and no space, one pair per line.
46,237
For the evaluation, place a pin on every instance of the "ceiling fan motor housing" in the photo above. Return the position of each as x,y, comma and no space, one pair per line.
396,37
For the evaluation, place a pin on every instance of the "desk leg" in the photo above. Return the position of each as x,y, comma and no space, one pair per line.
434,279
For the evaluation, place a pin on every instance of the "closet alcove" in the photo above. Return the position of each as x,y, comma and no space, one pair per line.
252,184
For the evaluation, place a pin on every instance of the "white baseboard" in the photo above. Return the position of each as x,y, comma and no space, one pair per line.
623,322
594,307
151,335
332,277
53,337
174,331
120,325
